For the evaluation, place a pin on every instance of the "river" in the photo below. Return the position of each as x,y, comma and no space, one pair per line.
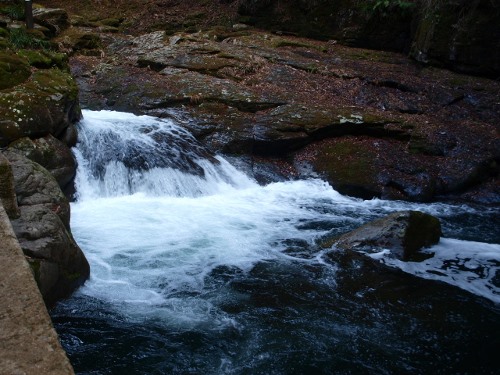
198,269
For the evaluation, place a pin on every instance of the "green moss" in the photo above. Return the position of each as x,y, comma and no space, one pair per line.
349,166
45,59
80,40
55,80
13,70
4,44
113,22
35,268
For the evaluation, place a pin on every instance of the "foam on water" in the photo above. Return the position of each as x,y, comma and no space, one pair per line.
472,266
154,229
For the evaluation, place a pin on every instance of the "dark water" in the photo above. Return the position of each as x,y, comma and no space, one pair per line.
233,282
286,319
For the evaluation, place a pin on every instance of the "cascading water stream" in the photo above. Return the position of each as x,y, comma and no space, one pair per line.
198,269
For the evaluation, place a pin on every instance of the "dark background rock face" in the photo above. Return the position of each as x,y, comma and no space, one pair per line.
462,35
459,34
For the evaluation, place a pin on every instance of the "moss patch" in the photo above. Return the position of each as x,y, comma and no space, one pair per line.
14,70
349,165
45,59
55,83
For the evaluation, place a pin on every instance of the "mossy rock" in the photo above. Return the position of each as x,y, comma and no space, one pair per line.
79,21
45,59
54,82
463,36
113,22
55,20
79,40
14,70
51,154
36,33
349,166
46,103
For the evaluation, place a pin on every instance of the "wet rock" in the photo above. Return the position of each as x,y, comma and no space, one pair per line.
69,136
58,263
403,233
287,127
372,123
34,185
51,154
43,230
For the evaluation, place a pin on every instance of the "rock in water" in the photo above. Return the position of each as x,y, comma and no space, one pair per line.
43,232
404,233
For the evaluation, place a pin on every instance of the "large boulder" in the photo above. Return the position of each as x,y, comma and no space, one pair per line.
78,40
56,20
403,233
43,230
50,153
46,103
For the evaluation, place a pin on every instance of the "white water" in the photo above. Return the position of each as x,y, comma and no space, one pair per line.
152,236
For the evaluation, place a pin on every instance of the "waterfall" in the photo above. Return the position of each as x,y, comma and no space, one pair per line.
195,268
121,154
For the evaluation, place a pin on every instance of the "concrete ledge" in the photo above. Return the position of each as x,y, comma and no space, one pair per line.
28,341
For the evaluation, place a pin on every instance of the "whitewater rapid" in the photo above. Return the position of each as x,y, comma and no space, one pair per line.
154,227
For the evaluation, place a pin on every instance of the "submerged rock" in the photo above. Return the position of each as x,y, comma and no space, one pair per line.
403,233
